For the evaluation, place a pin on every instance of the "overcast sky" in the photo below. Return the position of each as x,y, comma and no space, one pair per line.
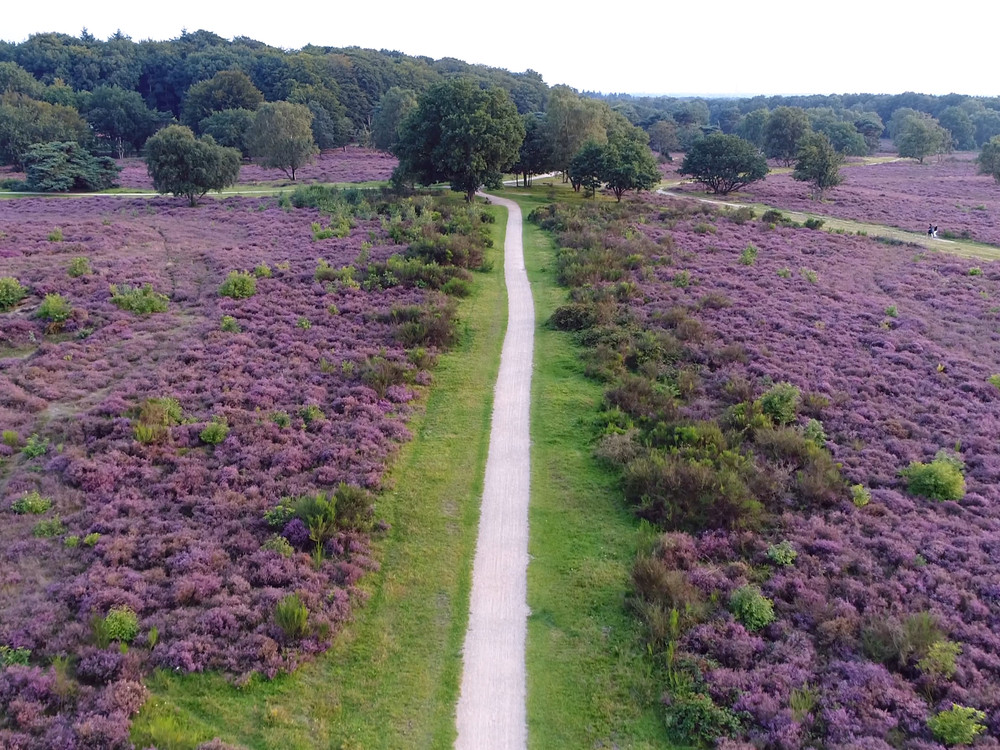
687,47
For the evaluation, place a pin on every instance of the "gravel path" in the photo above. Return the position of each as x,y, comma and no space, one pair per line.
491,706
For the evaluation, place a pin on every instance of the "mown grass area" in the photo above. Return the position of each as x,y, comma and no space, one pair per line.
391,678
590,684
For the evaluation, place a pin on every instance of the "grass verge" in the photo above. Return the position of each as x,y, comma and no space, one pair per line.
590,684
391,678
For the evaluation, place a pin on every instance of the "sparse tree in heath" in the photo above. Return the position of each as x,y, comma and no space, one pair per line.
462,134
724,163
818,163
392,109
785,126
227,89
586,166
989,158
181,164
628,165
920,136
281,136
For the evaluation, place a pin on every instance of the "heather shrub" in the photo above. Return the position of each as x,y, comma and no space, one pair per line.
643,399
751,607
79,266
239,285
31,502
781,402
897,644
140,301
696,719
35,446
121,624
941,479
959,725
49,528
292,616
54,308
782,553
229,324
11,292
215,431
655,582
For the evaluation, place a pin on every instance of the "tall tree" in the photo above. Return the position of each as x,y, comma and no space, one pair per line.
120,118
989,158
227,89
960,127
281,136
870,125
392,109
753,127
663,137
785,126
818,163
724,163
460,133
572,121
586,166
181,164
920,136
628,164
535,154
230,127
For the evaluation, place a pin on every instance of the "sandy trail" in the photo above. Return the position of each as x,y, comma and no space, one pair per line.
491,706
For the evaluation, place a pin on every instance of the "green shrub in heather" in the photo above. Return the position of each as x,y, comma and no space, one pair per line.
781,402
121,624
142,301
751,607
79,266
229,324
11,292
292,616
941,479
35,446
49,528
54,308
278,544
695,718
782,554
860,495
215,431
959,725
239,285
32,502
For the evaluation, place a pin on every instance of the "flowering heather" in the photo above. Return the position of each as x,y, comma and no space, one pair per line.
355,164
947,192
172,527
870,588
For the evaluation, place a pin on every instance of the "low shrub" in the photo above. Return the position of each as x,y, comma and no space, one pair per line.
278,543
773,217
11,439
262,271
10,657
239,285
311,413
229,324
782,553
941,479
215,431
695,719
79,266
11,292
32,503
49,528
891,311
751,607
939,662
994,380
355,509
456,287
54,308
781,402
56,235
860,495
121,624
91,539
749,255
959,725
292,616
812,223
141,301
281,418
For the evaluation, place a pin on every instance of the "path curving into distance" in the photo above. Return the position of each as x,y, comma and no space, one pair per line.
491,712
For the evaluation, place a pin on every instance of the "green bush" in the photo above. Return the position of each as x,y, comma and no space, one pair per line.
292,616
354,507
54,308
229,324
994,380
215,431
773,217
695,719
891,311
56,235
121,624
303,323
751,607
311,413
785,273
279,544
781,403
262,271
749,255
11,292
280,418
279,515
91,539
457,287
814,433
11,439
682,279
48,528
959,725
79,266
72,541
239,285
32,502
812,223
941,479
860,495
940,659
975,271
140,301
782,554
35,446
14,656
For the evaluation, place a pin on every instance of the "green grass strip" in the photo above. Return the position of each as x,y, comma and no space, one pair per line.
391,678
590,683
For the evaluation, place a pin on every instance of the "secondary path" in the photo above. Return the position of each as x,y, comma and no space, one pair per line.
491,705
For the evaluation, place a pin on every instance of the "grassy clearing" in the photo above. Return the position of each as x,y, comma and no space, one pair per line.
589,684
391,678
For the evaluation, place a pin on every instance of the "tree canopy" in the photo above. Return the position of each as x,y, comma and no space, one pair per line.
989,158
785,126
281,136
462,134
724,163
181,164
919,136
818,163
227,89
60,167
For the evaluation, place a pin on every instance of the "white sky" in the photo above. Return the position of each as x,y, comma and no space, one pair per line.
644,46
